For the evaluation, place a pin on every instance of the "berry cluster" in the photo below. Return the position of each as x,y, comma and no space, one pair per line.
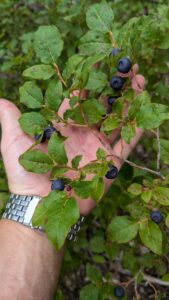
117,82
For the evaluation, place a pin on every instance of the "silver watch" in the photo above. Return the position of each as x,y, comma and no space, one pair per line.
20,208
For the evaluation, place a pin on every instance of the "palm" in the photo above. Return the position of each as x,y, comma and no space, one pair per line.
80,141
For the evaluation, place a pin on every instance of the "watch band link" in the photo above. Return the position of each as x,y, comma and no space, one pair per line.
20,208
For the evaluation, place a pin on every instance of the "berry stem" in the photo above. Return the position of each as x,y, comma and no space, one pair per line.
159,149
59,74
112,39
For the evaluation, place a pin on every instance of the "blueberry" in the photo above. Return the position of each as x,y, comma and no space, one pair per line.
117,83
49,131
119,291
58,184
112,173
156,217
39,136
111,100
115,51
124,65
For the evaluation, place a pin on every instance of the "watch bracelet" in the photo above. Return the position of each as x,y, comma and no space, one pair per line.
19,209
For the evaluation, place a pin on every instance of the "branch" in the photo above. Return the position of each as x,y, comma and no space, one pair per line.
155,280
138,167
59,74
159,149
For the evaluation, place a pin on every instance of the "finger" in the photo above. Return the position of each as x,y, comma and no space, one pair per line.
138,83
9,115
122,150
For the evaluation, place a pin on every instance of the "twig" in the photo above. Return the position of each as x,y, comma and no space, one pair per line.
154,289
112,39
155,280
59,74
138,167
159,149
145,169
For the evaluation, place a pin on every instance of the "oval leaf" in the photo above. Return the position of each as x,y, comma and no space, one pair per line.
122,230
42,72
48,44
31,95
36,161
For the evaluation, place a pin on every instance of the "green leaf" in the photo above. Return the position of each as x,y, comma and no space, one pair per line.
48,44
31,95
161,195
92,43
74,114
100,154
71,65
42,72
36,161
152,115
89,292
99,17
4,198
32,123
56,149
94,274
97,244
96,168
151,236
109,124
122,230
57,213
146,196
140,100
53,95
75,161
49,114
83,188
167,221
97,188
58,172
135,189
97,81
93,111
128,132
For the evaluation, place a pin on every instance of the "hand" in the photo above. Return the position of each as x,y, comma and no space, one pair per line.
81,141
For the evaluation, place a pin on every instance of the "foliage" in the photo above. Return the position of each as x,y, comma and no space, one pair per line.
49,53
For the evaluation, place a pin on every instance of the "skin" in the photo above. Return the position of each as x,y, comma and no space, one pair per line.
29,265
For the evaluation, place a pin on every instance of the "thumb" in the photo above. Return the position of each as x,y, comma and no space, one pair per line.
9,115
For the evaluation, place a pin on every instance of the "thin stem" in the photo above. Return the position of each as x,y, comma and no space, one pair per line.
59,74
159,149
112,39
155,280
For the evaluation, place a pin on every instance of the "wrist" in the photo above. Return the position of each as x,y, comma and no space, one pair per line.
29,263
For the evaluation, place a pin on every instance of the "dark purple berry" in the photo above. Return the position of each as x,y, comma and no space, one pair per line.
156,217
124,65
49,131
112,172
40,137
115,51
119,291
58,184
111,100
117,83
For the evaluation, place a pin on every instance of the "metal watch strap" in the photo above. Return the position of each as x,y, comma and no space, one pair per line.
20,208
